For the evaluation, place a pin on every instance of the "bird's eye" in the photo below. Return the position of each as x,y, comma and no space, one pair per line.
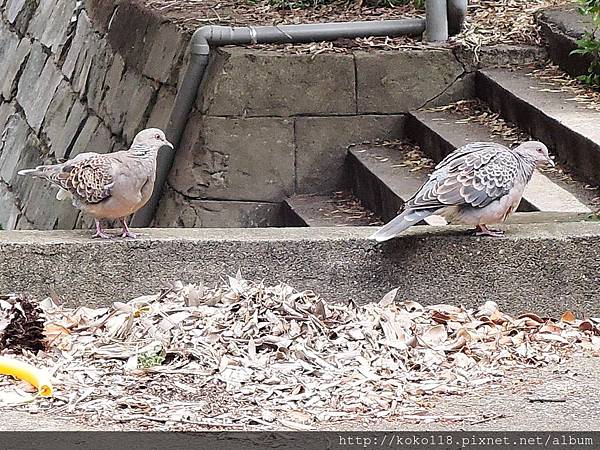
157,136
540,150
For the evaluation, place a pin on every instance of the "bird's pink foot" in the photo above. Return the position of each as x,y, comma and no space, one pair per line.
100,232
482,230
102,235
127,233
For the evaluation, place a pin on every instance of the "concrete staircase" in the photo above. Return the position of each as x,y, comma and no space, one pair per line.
382,177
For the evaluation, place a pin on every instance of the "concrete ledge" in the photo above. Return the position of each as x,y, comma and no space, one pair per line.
544,268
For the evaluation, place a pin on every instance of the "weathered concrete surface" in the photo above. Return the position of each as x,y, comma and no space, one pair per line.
11,420
249,159
381,179
322,211
407,80
561,27
178,211
437,134
543,268
501,55
250,83
570,129
322,145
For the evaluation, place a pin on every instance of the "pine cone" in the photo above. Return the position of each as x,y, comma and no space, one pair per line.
26,328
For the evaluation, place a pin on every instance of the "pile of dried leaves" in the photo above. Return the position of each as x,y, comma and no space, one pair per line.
245,354
489,22
194,13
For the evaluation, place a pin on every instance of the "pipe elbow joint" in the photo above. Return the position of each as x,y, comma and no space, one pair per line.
218,35
201,39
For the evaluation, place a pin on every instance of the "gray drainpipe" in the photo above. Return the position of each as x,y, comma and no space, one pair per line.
457,12
214,35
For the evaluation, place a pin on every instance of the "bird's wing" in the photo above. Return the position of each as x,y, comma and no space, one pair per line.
469,176
89,179
473,147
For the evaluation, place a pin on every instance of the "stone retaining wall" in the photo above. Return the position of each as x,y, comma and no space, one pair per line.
68,87
266,125
546,268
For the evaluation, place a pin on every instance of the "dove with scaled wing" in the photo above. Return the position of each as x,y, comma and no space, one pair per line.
478,184
108,186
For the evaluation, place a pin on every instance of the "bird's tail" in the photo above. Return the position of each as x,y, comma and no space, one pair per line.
47,172
32,172
400,223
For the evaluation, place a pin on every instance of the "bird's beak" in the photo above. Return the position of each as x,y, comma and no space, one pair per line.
551,161
168,144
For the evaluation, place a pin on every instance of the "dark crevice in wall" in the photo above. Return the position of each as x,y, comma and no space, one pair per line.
71,144
355,83
295,144
150,107
213,199
17,77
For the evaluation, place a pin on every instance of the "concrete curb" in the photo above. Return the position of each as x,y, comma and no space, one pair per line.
545,268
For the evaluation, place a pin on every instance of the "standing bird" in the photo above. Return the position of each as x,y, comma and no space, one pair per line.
108,186
478,184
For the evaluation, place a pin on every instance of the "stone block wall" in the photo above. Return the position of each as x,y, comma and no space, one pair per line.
265,125
70,83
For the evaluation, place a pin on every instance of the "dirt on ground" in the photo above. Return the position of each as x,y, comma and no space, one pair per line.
194,13
489,22
554,397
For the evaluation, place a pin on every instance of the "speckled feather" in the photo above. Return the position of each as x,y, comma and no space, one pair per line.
476,175
90,180
477,184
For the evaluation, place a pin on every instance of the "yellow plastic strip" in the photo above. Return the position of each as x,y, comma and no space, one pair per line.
26,372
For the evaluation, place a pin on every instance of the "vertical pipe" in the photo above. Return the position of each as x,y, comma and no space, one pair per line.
437,21
457,11
184,102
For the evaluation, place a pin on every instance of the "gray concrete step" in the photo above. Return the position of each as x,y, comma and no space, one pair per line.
561,27
383,178
338,209
441,132
545,268
548,113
